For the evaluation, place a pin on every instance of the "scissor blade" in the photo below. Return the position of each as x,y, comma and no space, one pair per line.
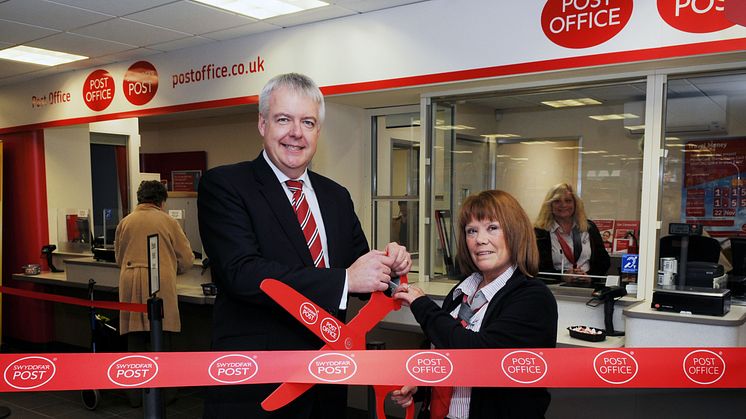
284,394
375,310
333,332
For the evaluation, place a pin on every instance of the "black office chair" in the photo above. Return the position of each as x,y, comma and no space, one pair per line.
738,255
701,248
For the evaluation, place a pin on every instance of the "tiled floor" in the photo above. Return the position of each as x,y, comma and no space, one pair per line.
112,404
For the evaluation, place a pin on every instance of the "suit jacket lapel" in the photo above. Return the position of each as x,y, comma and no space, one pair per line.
281,208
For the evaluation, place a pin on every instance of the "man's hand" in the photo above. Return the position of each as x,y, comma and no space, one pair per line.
402,260
370,272
404,397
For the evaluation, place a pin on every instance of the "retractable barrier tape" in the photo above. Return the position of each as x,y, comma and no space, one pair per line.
111,305
554,368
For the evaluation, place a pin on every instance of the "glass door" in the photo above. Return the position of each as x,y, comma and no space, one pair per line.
395,179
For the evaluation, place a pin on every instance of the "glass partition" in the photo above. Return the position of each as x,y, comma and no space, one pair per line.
396,168
702,180
524,142
74,230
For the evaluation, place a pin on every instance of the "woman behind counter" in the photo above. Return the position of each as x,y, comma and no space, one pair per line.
498,305
568,242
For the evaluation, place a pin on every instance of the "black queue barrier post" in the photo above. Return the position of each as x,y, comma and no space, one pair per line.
153,397
373,345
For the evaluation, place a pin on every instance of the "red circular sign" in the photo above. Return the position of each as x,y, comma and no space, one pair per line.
332,367
330,329
308,313
98,90
524,367
615,367
29,373
704,367
584,23
133,370
140,83
233,369
695,16
429,367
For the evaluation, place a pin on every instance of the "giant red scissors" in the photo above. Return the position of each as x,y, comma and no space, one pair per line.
347,337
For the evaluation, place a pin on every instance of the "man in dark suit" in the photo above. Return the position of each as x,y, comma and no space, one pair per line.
249,218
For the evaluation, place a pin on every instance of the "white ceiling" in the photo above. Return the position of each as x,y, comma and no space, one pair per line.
110,31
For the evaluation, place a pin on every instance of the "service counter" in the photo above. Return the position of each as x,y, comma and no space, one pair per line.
643,326
647,327
195,307
571,306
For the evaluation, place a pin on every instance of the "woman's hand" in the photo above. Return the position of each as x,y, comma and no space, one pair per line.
404,397
407,293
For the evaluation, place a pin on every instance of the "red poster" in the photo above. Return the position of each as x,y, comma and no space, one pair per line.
714,190
626,233
606,228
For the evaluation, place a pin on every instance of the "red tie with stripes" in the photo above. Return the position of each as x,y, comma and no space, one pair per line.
307,222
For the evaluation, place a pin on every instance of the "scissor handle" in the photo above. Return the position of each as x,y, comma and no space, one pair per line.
381,393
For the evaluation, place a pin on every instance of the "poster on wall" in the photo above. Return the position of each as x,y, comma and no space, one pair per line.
606,228
714,193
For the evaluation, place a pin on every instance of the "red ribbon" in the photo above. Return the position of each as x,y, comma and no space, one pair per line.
553,368
111,305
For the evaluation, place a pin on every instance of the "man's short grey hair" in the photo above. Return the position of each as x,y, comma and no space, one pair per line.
298,83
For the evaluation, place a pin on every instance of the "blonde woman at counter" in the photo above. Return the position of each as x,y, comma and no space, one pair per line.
498,305
568,242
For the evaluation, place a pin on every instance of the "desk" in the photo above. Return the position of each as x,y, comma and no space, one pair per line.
647,327
570,306
194,306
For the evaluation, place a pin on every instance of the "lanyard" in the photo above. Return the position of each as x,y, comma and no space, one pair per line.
566,249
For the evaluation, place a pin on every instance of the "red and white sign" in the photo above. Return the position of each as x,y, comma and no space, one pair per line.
132,371
29,372
615,367
332,367
98,90
524,367
704,367
309,313
429,367
695,16
140,83
233,369
584,23
330,329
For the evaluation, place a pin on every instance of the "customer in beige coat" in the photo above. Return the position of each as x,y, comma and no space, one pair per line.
131,249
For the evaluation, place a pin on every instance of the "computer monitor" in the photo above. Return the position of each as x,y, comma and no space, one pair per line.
738,255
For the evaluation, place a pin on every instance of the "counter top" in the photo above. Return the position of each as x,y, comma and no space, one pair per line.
735,317
187,290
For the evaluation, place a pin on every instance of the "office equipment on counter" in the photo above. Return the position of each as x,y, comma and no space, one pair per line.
103,254
686,239
609,295
692,300
46,251
706,275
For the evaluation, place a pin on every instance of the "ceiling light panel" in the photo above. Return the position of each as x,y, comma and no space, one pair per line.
564,103
38,56
264,9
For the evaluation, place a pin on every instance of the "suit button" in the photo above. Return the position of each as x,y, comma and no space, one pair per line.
129,263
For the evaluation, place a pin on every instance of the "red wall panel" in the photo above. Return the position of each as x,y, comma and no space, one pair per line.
25,231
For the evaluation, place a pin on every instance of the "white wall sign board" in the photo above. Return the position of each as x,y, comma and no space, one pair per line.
422,43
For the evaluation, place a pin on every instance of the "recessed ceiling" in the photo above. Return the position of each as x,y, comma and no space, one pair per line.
117,30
